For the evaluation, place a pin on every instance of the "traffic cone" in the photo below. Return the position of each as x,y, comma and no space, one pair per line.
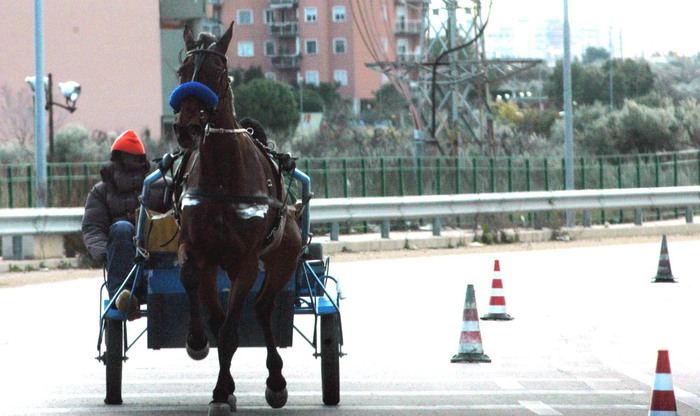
663,401
470,348
663,273
497,303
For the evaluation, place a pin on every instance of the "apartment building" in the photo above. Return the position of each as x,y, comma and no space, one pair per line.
323,40
125,54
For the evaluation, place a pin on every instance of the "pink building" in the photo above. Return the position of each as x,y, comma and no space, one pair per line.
111,48
124,54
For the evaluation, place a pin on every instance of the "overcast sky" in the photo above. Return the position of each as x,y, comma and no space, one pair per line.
647,26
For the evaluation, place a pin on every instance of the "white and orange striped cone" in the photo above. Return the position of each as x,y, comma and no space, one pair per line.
470,346
497,303
663,400
663,273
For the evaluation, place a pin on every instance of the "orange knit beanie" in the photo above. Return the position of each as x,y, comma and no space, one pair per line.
129,142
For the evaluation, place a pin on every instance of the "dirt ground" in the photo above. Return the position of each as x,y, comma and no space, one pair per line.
17,279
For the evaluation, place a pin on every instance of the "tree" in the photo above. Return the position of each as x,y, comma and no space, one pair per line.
17,122
641,129
594,54
270,102
73,144
590,83
242,76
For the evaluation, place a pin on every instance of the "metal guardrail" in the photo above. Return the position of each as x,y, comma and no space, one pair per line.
29,221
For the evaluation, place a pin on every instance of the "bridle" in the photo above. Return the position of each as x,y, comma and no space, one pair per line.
203,92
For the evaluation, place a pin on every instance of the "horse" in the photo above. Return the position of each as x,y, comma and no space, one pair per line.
231,206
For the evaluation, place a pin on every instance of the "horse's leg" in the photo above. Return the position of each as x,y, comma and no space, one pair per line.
279,266
276,391
191,277
242,280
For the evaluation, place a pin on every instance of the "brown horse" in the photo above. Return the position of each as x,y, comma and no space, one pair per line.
233,214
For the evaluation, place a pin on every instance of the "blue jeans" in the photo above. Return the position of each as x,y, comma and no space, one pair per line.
120,255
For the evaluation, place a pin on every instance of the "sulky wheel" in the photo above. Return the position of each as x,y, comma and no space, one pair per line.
330,358
114,358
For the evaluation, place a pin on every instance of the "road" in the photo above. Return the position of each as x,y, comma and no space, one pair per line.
588,324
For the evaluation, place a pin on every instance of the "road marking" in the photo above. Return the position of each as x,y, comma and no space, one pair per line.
309,409
539,408
501,382
369,393
682,396
508,384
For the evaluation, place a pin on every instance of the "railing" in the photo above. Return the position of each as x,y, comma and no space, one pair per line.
408,27
285,61
284,29
69,183
64,220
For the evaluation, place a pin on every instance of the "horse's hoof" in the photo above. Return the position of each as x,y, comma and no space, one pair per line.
276,399
197,355
219,409
232,402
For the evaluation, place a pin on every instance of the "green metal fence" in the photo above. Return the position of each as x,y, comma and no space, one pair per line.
69,183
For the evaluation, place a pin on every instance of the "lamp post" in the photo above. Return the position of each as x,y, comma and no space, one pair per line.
568,114
70,91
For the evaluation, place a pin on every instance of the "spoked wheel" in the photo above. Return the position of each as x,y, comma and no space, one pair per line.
114,358
330,358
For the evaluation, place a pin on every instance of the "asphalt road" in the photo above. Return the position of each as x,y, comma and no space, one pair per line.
587,328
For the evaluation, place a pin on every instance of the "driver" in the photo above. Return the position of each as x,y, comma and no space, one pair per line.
108,225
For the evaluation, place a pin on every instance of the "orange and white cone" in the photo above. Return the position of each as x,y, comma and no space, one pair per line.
470,346
497,303
663,273
663,400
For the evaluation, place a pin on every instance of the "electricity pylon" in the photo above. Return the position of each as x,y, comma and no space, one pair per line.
448,79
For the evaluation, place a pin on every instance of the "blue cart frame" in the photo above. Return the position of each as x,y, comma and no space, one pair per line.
307,293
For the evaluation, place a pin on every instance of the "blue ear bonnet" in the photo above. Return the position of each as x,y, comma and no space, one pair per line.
197,89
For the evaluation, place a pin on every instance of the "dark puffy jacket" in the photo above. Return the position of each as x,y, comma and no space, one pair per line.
114,199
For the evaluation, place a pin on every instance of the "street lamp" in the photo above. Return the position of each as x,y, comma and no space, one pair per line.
70,91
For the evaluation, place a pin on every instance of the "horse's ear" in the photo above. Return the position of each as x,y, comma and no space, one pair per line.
188,36
222,44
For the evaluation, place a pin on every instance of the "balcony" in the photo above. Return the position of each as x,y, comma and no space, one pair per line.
284,29
413,2
285,61
409,57
283,4
408,27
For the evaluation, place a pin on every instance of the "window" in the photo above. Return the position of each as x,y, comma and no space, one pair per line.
311,47
341,77
246,49
310,14
269,16
244,17
271,75
312,78
269,47
338,13
402,46
339,45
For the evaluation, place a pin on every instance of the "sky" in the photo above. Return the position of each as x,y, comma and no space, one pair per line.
646,26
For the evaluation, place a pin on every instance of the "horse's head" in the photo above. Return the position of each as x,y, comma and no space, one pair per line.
204,91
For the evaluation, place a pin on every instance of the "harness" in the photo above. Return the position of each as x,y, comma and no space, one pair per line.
248,206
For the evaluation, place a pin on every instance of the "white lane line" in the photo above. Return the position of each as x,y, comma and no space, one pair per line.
683,396
499,381
538,408
149,410
508,384
370,393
